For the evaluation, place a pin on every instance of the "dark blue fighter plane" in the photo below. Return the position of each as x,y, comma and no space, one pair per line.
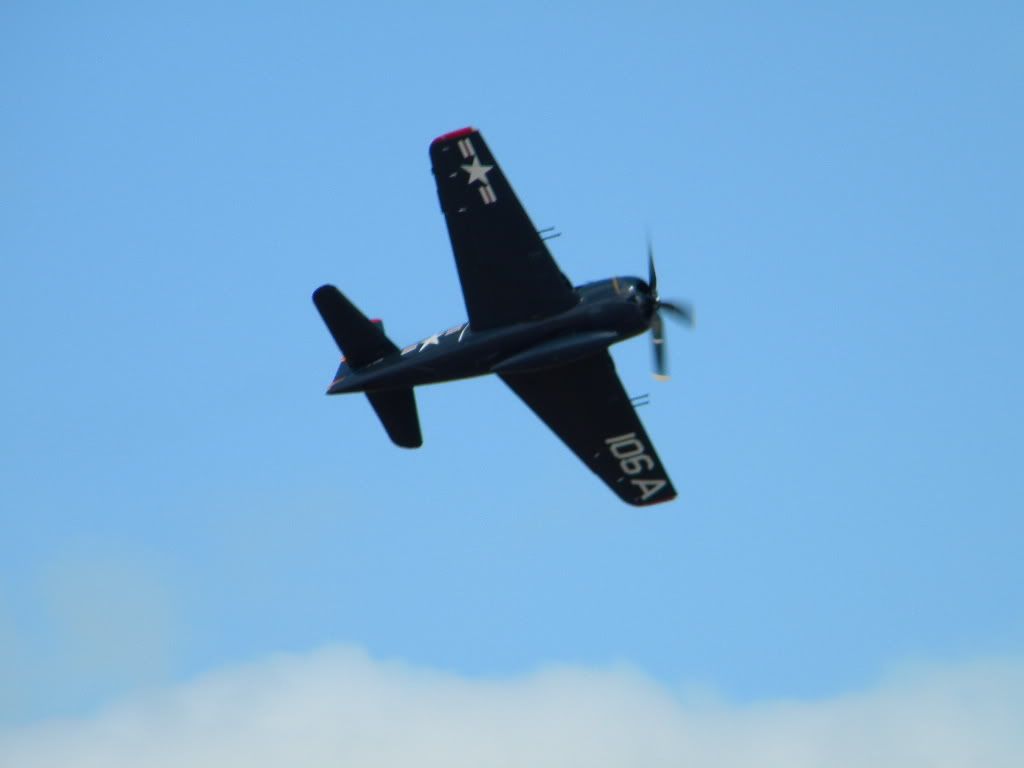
527,323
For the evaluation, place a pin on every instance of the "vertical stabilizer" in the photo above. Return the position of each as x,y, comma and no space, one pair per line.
361,340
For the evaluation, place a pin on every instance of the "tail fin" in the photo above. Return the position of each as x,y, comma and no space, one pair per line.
396,409
361,340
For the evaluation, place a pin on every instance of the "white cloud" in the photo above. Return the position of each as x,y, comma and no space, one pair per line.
338,707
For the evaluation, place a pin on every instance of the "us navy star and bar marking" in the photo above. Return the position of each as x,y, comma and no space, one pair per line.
477,171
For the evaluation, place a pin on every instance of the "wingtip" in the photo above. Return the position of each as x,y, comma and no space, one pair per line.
325,288
453,135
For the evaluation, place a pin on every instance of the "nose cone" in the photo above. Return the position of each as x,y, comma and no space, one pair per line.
648,300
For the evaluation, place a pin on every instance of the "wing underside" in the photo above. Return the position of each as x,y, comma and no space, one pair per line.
585,405
507,273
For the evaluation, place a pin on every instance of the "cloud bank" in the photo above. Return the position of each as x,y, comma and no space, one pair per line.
339,707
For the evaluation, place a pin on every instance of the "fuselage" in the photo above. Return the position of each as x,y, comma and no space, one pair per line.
608,311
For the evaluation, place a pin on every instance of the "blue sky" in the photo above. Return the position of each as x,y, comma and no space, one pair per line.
837,190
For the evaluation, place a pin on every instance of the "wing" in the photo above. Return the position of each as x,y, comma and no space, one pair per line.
507,273
585,405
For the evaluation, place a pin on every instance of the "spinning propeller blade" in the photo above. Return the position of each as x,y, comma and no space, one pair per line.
680,310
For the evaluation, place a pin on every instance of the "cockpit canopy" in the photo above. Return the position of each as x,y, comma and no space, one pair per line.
632,288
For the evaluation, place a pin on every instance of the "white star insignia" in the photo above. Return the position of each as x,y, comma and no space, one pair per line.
477,171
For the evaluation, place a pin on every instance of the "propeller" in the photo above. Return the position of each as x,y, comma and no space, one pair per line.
681,311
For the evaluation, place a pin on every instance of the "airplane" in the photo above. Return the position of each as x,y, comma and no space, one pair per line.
546,339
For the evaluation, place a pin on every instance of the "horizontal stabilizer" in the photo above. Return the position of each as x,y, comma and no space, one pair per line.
396,409
360,339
